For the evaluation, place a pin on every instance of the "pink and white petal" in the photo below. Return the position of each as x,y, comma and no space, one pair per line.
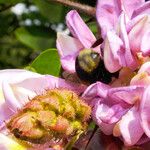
68,63
39,85
145,111
95,92
142,9
55,82
15,96
111,114
112,52
129,59
137,32
106,128
11,76
145,45
79,29
16,75
129,127
107,13
142,79
145,68
131,23
68,49
130,5
128,94
7,143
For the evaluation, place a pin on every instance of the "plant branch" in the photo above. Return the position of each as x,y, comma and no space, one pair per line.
5,8
81,7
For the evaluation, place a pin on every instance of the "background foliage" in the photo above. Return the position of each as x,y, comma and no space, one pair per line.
29,27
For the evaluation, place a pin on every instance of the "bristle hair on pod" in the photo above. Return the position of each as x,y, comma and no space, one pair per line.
58,113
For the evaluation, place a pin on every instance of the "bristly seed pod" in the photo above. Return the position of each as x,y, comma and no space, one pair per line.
90,67
57,114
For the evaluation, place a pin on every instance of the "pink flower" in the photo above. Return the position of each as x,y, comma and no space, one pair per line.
125,28
69,47
123,111
16,88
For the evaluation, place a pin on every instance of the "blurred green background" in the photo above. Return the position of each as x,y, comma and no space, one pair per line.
28,27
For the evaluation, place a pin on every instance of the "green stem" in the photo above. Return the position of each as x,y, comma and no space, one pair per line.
73,140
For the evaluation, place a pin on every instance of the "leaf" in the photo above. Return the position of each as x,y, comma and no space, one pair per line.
47,62
37,38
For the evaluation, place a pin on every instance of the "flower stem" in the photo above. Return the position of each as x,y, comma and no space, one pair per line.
81,7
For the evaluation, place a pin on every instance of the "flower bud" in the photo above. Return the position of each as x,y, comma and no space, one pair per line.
56,114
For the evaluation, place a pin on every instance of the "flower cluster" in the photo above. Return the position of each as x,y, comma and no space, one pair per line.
122,107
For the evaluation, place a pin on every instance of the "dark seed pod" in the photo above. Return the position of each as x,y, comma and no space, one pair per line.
90,67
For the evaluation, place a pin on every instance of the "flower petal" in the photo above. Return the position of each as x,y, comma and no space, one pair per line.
106,128
94,92
145,45
137,32
129,60
11,76
111,114
130,5
107,13
7,143
142,9
128,94
129,127
144,111
16,75
112,52
79,29
141,79
145,68
68,49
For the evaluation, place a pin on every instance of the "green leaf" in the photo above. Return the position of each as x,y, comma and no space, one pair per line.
47,62
37,38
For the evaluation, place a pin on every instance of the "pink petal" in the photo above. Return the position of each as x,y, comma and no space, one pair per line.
142,79
129,59
128,94
106,128
7,143
11,76
16,75
79,29
130,127
112,52
145,68
145,45
94,91
130,5
118,102
68,49
107,13
111,114
11,100
145,111
143,9
137,32
131,23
